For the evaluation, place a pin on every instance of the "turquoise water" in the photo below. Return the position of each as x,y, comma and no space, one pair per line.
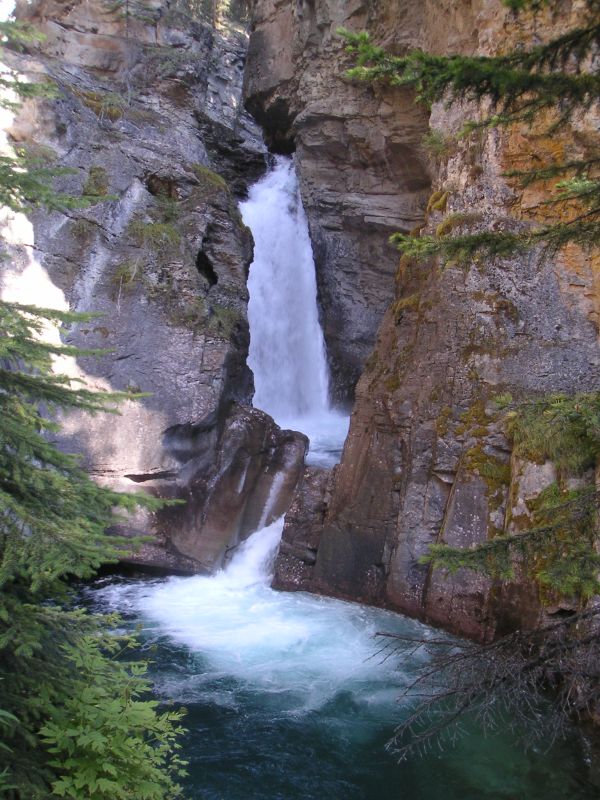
287,699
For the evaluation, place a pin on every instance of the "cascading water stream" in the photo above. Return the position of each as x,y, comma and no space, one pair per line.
287,698
287,350
302,646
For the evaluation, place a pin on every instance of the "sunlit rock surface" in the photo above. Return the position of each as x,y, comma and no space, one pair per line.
148,118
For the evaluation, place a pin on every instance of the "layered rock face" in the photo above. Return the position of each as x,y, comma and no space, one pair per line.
147,118
427,459
361,169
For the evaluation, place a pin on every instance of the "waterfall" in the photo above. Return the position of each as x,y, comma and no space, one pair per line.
254,558
287,349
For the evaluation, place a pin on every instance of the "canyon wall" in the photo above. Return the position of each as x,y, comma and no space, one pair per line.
427,459
148,123
357,151
149,119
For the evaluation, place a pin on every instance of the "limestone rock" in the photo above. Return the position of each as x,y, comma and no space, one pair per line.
236,473
148,120
297,555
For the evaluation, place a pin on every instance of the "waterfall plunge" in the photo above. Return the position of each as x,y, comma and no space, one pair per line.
287,350
297,649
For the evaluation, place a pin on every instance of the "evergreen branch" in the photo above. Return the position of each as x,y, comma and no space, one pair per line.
583,230
75,720
502,683
462,247
518,86
577,166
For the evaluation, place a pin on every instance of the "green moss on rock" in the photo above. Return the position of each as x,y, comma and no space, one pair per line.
82,230
408,303
439,144
475,420
494,471
125,276
437,202
106,105
210,181
392,384
456,220
223,321
159,237
96,184
442,422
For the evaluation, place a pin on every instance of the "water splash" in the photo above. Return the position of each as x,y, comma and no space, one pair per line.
299,649
288,697
254,559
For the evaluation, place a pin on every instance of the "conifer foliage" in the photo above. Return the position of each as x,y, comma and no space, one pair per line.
545,86
76,717
554,81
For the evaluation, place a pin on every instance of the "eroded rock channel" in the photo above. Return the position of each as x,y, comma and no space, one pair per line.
239,194
150,118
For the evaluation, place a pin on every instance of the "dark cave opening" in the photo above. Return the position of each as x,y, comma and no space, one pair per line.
206,269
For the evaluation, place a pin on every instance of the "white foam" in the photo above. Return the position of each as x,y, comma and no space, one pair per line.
306,647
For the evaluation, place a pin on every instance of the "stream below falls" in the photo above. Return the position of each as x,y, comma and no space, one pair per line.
288,699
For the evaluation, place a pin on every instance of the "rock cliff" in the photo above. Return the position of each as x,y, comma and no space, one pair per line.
148,122
427,459
149,119
358,154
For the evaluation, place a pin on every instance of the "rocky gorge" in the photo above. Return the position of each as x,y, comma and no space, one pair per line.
427,459
164,119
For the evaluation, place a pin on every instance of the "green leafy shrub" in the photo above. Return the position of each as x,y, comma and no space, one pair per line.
108,741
